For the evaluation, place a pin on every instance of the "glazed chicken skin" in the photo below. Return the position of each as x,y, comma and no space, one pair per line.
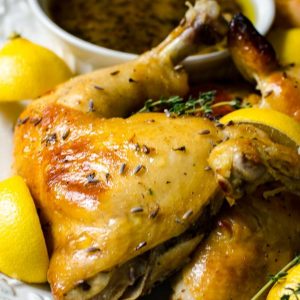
256,59
259,234
113,189
124,202
249,242
121,198
249,158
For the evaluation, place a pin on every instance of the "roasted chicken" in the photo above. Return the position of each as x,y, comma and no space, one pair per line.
248,243
259,234
256,60
123,201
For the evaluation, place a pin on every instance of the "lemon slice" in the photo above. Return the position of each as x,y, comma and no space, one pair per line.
280,127
287,286
28,70
23,253
287,44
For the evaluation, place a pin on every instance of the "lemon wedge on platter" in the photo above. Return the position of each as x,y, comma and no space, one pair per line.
28,70
286,43
22,245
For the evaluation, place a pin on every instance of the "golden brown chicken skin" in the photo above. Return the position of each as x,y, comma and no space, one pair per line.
249,242
256,60
258,235
121,198
112,189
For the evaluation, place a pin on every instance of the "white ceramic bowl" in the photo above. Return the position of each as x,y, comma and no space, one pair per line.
96,56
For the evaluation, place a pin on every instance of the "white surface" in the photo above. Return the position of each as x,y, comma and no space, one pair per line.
11,289
265,14
8,116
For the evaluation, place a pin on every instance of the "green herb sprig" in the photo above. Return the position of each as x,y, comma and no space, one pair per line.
273,279
176,106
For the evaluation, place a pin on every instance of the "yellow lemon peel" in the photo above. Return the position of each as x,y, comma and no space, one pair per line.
22,245
281,128
28,70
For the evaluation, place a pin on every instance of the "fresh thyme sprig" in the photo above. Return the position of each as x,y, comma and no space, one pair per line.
176,106
273,279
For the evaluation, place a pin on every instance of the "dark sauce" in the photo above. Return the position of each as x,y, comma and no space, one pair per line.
132,26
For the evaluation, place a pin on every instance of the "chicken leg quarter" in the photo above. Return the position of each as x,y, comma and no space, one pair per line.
121,198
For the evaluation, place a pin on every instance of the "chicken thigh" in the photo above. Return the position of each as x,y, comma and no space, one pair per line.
121,198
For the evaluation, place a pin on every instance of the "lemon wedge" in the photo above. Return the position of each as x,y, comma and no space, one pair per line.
23,253
287,44
288,287
280,127
28,70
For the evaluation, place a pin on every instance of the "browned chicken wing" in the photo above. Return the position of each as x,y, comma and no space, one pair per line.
255,58
249,158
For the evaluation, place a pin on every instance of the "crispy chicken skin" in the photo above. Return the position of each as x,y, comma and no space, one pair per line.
124,202
249,242
256,60
90,202
249,158
114,193
259,234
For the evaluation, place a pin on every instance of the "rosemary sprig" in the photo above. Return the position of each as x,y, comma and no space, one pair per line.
273,279
176,106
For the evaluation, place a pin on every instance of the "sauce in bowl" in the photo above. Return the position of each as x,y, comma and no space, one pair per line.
126,25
